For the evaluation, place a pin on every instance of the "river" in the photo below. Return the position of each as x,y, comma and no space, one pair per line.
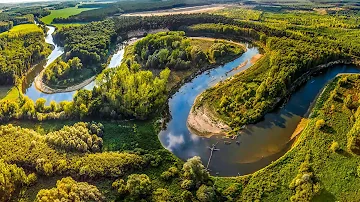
29,88
260,143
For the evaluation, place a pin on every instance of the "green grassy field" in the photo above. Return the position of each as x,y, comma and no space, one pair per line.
63,13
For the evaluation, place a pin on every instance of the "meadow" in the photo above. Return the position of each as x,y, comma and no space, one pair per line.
63,13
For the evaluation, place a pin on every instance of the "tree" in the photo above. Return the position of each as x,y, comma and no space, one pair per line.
40,105
161,195
195,173
206,194
139,185
68,189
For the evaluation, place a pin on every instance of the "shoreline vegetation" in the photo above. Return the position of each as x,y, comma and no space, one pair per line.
206,122
49,154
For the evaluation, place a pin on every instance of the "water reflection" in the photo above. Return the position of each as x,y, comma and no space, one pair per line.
259,144
29,88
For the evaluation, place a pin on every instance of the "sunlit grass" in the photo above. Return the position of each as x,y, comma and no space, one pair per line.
63,13
21,29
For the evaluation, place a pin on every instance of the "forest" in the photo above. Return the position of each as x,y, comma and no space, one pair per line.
104,144
20,48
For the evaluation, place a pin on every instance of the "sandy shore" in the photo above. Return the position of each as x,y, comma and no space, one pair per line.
41,86
203,123
184,10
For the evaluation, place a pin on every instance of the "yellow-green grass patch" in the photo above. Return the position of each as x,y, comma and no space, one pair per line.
63,13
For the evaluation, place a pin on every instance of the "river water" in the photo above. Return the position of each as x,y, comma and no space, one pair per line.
260,143
29,88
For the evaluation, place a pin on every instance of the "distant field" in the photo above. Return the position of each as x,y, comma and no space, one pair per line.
21,29
67,25
63,13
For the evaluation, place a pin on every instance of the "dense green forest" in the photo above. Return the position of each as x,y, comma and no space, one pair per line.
86,51
47,154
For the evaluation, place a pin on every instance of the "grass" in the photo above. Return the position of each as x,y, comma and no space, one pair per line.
21,29
334,170
63,13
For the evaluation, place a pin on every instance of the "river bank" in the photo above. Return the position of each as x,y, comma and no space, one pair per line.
205,122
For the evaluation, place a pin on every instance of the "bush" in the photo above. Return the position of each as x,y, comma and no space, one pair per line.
137,185
68,189
334,146
320,123
161,195
170,173
206,194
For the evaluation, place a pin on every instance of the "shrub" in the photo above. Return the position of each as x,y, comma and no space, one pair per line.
170,173
320,123
194,174
137,185
206,193
334,146
68,189
161,195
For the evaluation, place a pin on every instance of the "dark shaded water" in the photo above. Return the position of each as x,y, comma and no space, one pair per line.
260,143
29,88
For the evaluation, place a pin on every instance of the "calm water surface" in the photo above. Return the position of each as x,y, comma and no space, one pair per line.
260,143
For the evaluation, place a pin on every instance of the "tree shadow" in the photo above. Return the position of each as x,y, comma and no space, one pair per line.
344,153
324,195
328,129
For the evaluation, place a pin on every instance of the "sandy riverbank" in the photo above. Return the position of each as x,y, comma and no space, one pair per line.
201,120
41,86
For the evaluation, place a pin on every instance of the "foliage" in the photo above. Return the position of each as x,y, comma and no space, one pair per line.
75,138
304,184
20,48
29,149
62,71
137,186
90,42
320,124
194,174
206,194
68,189
12,179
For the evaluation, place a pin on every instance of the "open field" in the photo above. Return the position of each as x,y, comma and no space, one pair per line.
185,10
21,29
63,13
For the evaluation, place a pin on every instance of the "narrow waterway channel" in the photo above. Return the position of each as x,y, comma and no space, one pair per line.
259,144
29,88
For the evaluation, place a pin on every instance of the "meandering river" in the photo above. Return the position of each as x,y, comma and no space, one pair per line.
259,144
29,88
